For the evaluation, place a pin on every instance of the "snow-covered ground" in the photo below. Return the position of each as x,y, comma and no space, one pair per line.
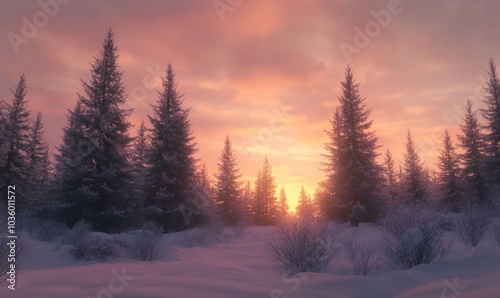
242,267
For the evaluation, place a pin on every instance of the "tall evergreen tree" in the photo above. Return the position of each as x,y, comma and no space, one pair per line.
283,205
203,181
258,208
448,179
104,187
413,180
38,160
390,178
71,168
472,144
247,197
305,208
492,127
265,196
3,123
172,168
354,175
227,186
139,160
14,163
204,196
330,190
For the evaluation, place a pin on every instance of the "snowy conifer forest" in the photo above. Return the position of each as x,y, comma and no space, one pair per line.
126,207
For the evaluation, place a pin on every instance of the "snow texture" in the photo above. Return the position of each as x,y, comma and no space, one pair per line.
241,267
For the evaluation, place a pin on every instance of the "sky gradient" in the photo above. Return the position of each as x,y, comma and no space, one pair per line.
267,73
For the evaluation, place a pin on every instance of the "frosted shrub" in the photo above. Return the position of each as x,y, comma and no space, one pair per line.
79,230
41,229
303,246
95,246
398,221
472,224
236,231
422,244
211,233
195,238
147,244
363,258
49,231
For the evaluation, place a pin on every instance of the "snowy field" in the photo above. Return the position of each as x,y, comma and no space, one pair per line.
241,266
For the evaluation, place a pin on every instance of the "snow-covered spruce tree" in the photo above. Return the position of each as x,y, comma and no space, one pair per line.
353,175
71,168
39,167
391,187
247,196
305,208
282,205
228,194
139,161
472,144
204,194
492,128
105,183
328,199
265,196
448,177
172,166
413,176
14,163
258,204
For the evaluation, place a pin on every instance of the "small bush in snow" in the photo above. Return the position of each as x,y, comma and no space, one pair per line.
211,233
363,258
42,229
421,244
472,224
398,221
79,230
147,244
446,221
495,229
303,246
95,246
236,231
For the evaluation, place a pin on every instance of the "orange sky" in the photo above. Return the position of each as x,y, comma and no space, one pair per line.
265,72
